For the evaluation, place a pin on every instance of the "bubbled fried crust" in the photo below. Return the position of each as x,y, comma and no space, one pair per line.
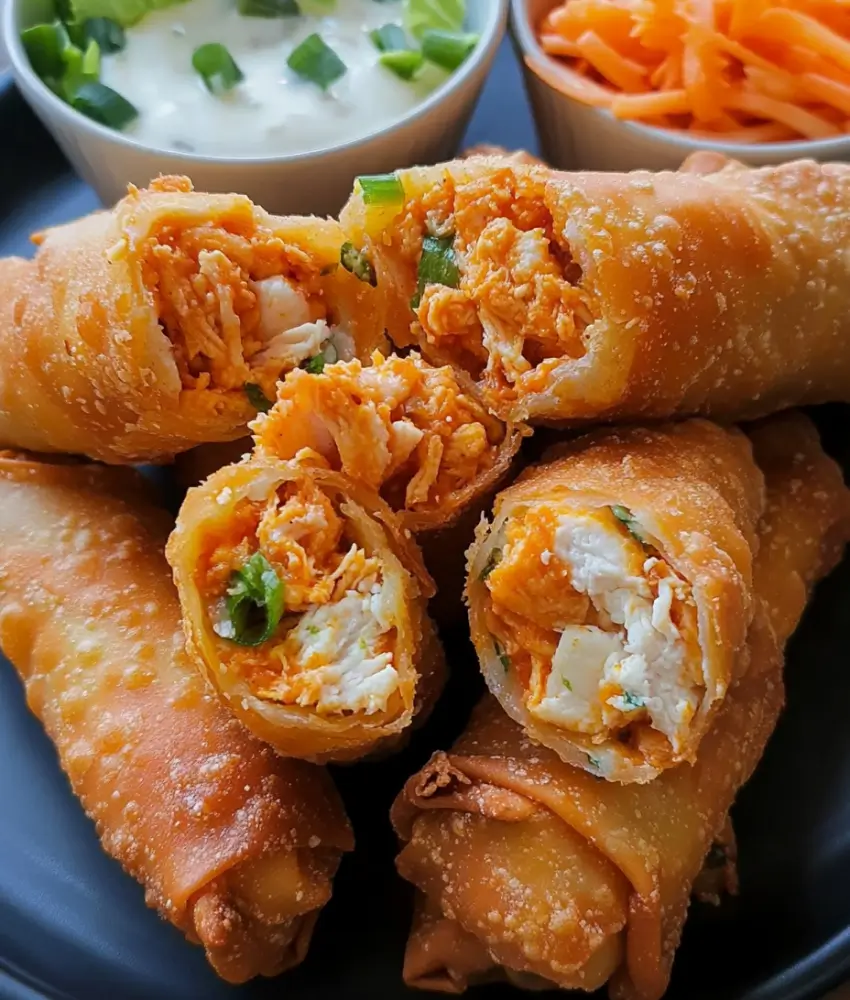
180,793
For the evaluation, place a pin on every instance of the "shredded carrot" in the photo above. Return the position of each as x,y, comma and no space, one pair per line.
745,71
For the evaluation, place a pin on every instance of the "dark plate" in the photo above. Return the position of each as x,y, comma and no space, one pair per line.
73,926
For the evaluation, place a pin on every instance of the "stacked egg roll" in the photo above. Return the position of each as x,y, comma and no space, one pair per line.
587,296
233,845
140,331
612,593
536,868
304,603
415,433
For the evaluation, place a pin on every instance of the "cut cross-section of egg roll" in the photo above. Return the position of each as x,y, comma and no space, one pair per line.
233,845
611,593
559,877
166,321
304,604
415,433
575,297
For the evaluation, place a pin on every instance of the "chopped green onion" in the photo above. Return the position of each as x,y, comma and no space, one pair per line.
108,34
255,600
216,67
316,61
447,49
103,105
567,684
123,12
504,659
437,15
257,398
594,762
314,365
437,265
45,45
357,263
268,8
633,700
389,38
493,560
405,64
381,189
624,515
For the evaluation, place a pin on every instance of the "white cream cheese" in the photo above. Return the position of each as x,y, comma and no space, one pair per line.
272,111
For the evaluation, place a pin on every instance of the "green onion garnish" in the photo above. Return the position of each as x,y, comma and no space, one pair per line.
317,62
216,67
438,15
255,600
257,398
45,45
405,64
357,263
626,517
504,659
493,560
437,265
314,365
108,34
268,8
389,38
381,189
104,105
447,49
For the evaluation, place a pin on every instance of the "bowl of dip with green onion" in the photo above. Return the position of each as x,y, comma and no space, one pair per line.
286,101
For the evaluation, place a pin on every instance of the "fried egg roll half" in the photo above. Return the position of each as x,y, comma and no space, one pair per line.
166,321
233,845
304,603
586,296
611,594
557,877
415,433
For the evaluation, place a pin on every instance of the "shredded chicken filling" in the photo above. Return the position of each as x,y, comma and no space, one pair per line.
520,308
237,306
403,427
601,629
334,649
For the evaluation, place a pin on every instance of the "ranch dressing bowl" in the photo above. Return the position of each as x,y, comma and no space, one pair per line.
293,141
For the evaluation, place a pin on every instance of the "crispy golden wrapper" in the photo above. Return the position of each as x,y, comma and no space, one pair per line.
587,296
569,879
133,332
233,845
355,658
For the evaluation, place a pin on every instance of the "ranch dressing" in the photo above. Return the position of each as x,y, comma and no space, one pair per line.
272,111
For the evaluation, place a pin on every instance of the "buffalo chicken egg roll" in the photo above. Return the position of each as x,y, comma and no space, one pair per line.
304,604
166,321
586,296
415,433
537,868
611,594
234,846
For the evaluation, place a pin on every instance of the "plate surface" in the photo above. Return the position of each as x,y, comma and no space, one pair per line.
74,927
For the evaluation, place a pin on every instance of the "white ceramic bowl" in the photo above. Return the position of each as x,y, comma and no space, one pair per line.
317,182
579,137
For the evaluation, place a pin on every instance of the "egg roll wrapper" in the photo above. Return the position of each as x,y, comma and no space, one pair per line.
234,846
296,730
716,290
641,845
696,491
132,332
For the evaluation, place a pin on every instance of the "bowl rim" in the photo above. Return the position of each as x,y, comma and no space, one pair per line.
526,38
492,32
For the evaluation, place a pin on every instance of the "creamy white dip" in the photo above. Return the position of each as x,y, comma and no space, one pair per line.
272,111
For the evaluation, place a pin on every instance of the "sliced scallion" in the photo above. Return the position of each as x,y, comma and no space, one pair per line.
316,61
108,34
216,67
389,38
404,63
257,398
103,104
437,265
45,45
447,49
314,365
383,198
357,263
438,15
268,8
255,601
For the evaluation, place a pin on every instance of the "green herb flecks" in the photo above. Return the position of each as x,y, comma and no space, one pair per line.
255,601
567,684
633,700
437,266
358,264
493,560
257,398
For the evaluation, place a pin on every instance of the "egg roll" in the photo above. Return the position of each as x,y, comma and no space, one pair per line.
414,433
138,332
612,592
304,605
564,879
578,297
233,845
